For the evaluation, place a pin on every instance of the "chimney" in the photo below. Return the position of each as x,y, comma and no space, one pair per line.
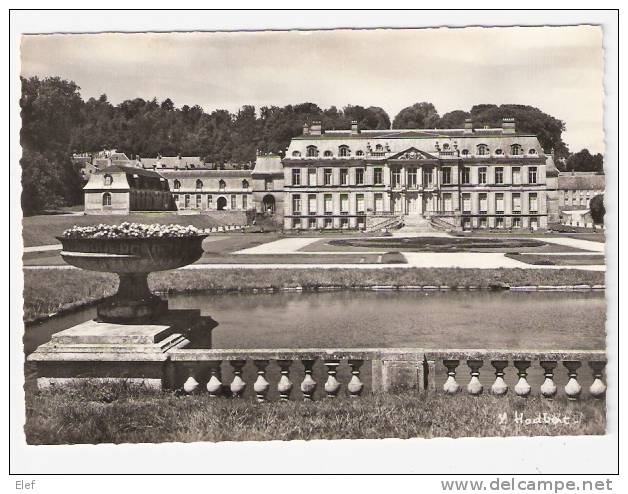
315,128
306,129
355,130
468,126
508,126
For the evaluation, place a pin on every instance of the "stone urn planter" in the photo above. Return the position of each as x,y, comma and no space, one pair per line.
132,259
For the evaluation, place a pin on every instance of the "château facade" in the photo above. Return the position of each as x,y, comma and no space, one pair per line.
469,178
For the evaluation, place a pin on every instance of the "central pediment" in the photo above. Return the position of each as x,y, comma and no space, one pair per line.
412,153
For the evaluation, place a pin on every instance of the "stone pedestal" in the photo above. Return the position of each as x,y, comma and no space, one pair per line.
133,353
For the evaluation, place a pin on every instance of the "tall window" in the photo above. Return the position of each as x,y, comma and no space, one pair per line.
499,203
199,184
176,185
344,151
296,176
466,175
516,175
222,184
396,177
312,152
359,176
327,176
268,184
378,176
447,202
516,203
482,149
482,175
329,206
379,202
344,176
311,204
446,170
344,203
466,202
175,197
532,175
533,202
106,199
515,150
359,203
108,179
296,204
199,199
483,203
499,175
187,201
234,199
244,202
412,176
427,178
311,177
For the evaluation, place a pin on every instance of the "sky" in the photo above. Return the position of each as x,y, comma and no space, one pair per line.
557,69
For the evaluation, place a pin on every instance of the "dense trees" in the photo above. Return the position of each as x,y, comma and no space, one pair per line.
584,161
56,121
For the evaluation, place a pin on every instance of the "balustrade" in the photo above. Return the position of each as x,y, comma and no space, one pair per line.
340,372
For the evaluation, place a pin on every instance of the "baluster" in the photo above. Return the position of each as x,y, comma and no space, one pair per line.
308,386
499,387
190,385
572,388
284,386
237,385
355,384
214,385
332,386
598,388
261,385
522,388
475,386
548,388
451,386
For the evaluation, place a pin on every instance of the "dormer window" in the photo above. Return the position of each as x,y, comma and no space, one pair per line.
199,184
176,185
344,151
328,154
445,146
245,184
465,152
359,153
296,154
498,151
532,151
515,150
222,185
108,180
312,151
482,149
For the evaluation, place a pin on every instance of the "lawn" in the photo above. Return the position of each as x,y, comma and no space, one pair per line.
49,291
114,413
574,260
42,230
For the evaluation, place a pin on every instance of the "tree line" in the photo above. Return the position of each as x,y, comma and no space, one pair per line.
57,121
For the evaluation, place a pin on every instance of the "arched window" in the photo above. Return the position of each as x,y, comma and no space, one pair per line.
199,184
445,146
312,152
379,147
359,153
222,184
482,149
344,151
498,151
176,185
465,152
106,199
245,184
515,150
328,154
296,154
532,151
108,179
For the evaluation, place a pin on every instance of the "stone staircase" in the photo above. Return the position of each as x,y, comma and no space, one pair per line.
416,224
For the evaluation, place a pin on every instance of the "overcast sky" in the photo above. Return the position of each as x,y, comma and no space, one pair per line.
557,69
